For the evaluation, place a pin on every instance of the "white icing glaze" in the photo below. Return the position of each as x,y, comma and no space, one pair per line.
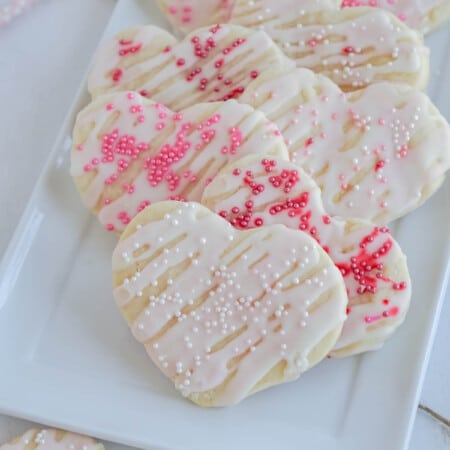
423,15
123,53
49,439
379,298
135,152
211,64
188,15
376,154
354,46
186,280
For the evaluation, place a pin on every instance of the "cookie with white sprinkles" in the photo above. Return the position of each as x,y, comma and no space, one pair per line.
376,154
225,313
129,152
50,439
260,191
187,15
353,46
213,63
419,14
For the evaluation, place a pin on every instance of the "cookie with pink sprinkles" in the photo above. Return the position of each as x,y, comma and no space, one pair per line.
188,15
210,64
259,191
376,153
225,313
129,152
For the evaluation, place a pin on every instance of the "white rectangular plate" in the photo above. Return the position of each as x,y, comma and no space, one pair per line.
68,358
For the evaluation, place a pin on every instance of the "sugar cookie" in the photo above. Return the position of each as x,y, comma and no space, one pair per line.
129,152
188,15
257,191
213,63
419,14
376,153
353,46
225,313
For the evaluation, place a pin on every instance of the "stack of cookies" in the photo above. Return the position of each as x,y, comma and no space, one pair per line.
252,168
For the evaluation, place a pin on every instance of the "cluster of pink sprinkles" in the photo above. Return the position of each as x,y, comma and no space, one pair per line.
365,268
124,150
186,11
126,47
201,51
217,82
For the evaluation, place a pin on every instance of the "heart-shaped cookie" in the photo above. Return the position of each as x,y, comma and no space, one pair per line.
376,154
129,152
49,439
421,15
188,15
353,46
224,313
213,63
257,191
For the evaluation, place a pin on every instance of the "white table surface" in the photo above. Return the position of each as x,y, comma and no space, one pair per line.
43,56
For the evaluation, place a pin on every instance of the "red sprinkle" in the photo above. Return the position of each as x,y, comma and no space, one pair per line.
309,142
117,75
348,50
379,165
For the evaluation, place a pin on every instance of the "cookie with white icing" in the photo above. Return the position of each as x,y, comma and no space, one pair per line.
120,58
213,63
353,46
188,15
376,153
225,313
50,439
419,14
129,152
260,191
